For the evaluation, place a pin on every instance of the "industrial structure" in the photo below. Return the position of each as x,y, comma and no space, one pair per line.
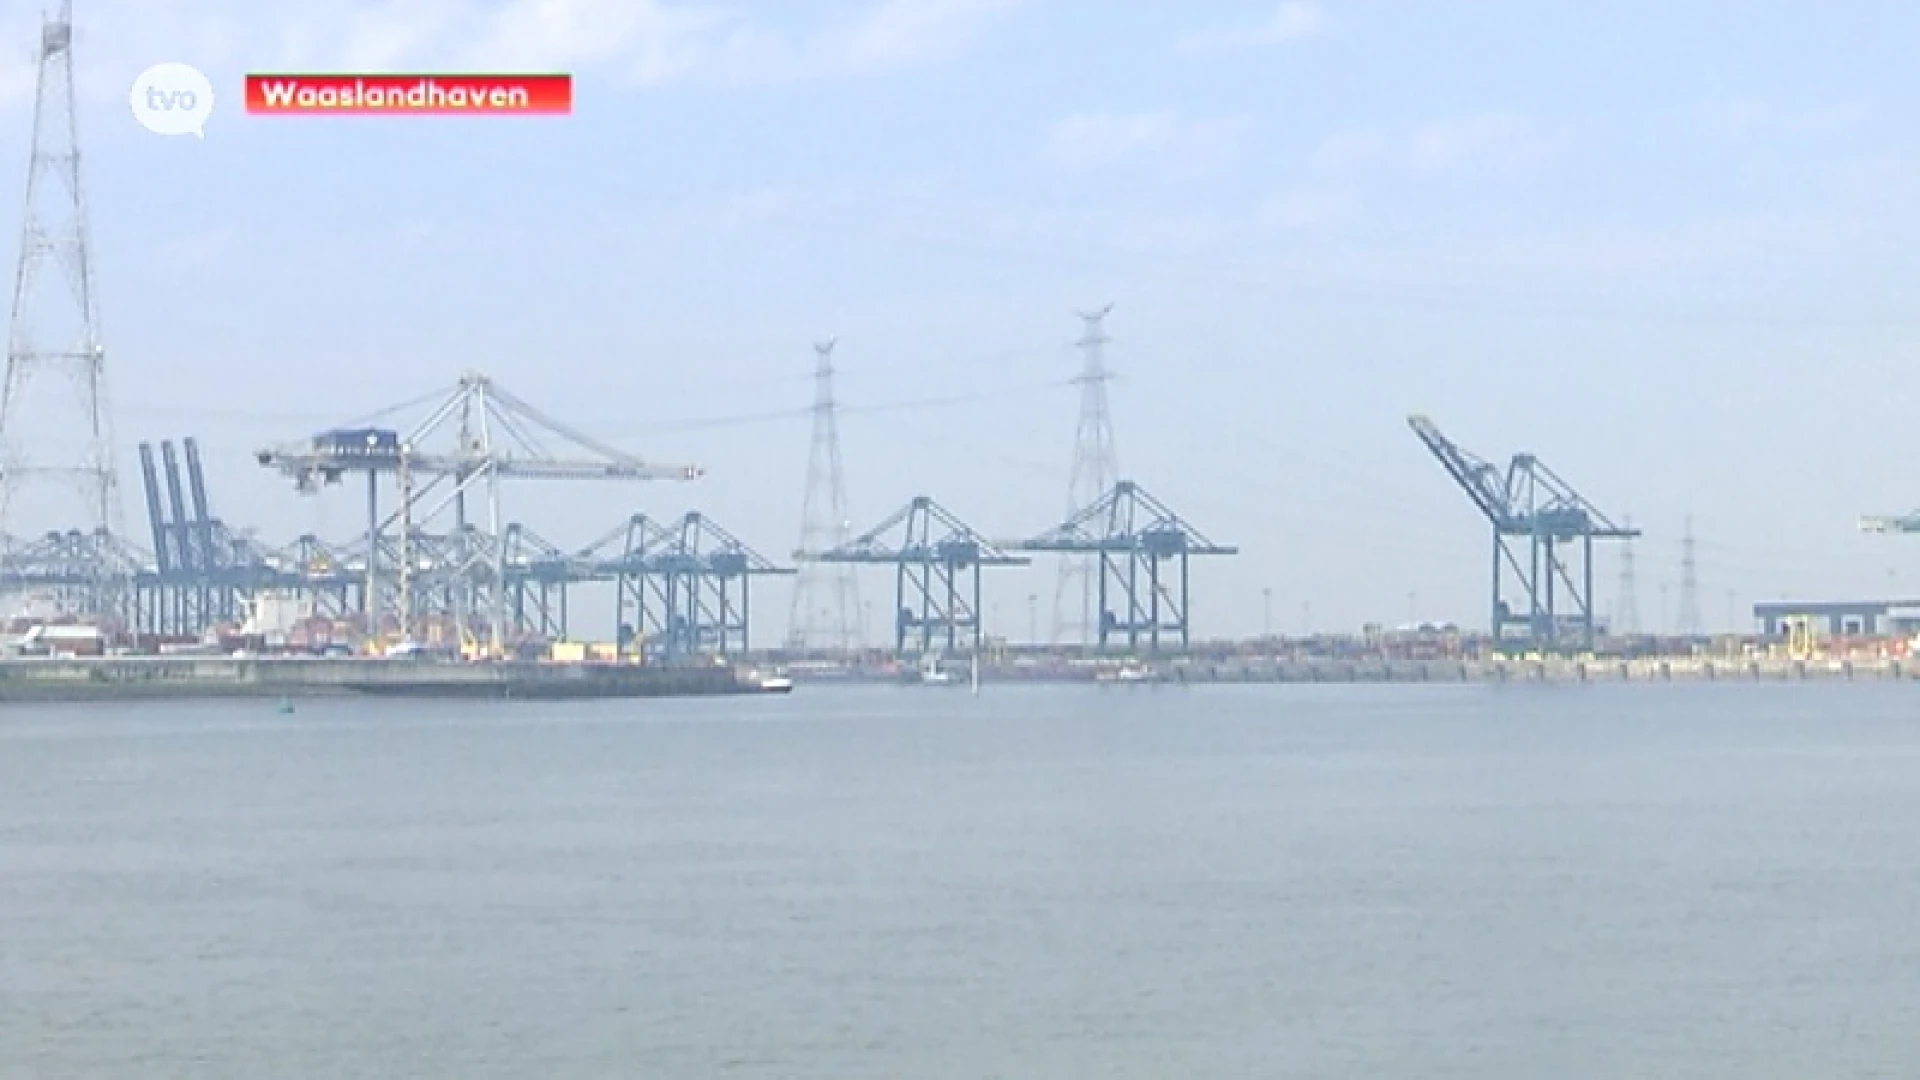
825,610
56,438
683,587
1626,607
1096,470
937,561
204,573
1543,534
479,435
73,573
1838,618
1905,523
1141,551
439,562
1688,623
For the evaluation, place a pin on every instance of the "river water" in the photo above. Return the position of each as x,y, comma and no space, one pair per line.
1440,881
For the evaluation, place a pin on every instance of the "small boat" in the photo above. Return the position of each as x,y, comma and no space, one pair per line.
775,684
934,673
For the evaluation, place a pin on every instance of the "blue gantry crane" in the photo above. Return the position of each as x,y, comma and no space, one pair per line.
1143,550
1538,521
937,561
621,557
89,574
204,572
539,579
683,587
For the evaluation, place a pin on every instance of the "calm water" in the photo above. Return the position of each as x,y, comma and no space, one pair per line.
1635,882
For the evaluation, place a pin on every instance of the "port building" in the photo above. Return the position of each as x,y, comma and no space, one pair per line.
1840,618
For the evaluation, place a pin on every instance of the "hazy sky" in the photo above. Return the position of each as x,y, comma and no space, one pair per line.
1667,247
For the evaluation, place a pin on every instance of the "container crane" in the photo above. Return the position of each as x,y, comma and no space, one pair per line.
937,560
1142,550
1536,517
476,435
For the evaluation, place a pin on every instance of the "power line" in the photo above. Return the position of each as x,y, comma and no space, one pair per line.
904,405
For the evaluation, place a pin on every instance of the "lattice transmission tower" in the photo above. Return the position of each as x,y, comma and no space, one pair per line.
1626,609
826,609
1689,622
56,437
1095,473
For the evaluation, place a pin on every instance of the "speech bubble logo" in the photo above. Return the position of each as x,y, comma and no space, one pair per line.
173,99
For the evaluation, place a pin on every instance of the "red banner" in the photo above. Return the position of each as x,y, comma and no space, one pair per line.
423,95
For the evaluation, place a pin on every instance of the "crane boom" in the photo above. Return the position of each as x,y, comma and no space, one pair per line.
1905,523
1543,534
1480,479
322,459
557,469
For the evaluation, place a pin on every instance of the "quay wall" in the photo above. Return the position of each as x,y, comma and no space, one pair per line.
184,677
187,677
1691,669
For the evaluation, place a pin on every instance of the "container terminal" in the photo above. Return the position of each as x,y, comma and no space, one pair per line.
428,590
441,592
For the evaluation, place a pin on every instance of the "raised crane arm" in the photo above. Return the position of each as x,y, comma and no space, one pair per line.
490,431
555,468
1478,478
1543,534
1906,523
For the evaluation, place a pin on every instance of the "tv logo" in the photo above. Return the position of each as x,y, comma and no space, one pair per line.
173,99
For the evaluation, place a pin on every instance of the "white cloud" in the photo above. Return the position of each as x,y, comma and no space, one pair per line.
903,31
1291,21
1444,144
1093,138
1295,211
640,41
1452,141
1746,119
1081,139
646,41
652,41
381,36
1354,148
746,211
1690,247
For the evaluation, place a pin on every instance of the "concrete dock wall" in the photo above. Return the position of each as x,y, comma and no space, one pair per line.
107,678
1551,671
